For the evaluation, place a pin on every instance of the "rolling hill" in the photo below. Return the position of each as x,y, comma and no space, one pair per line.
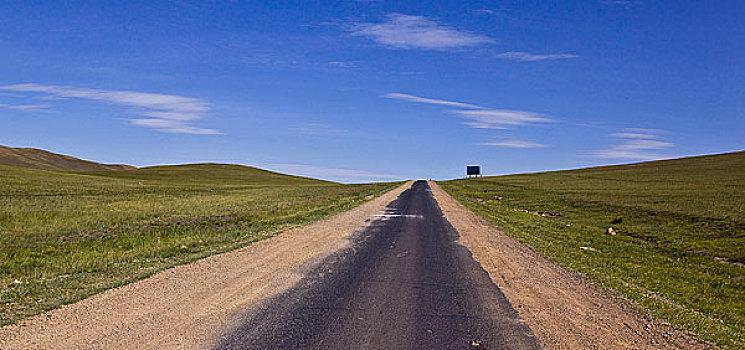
211,173
203,173
33,158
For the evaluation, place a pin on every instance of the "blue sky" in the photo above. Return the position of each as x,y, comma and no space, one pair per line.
374,90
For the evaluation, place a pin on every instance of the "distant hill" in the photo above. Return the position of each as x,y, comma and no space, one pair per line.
204,173
33,158
711,186
724,165
211,173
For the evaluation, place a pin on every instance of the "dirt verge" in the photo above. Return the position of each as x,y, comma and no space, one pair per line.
189,306
564,310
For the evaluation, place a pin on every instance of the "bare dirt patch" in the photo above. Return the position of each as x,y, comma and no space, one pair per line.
564,310
189,306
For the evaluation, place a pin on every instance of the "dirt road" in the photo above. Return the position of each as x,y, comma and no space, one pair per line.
405,283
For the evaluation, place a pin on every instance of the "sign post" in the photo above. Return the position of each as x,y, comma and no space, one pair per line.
473,170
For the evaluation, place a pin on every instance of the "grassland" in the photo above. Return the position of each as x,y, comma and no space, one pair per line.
679,251
66,235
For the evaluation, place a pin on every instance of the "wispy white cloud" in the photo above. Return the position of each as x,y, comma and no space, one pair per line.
341,64
485,11
418,99
500,118
531,57
315,129
495,12
643,130
172,126
633,135
417,32
25,108
514,144
635,144
479,117
165,113
331,173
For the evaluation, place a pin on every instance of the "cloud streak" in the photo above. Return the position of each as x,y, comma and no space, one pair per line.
635,135
531,57
514,144
500,118
634,144
25,108
315,129
433,101
479,117
416,32
161,112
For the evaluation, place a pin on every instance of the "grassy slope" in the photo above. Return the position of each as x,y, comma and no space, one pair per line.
69,235
33,158
681,243
207,173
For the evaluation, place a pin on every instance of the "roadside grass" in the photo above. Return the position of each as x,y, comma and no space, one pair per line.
66,236
680,245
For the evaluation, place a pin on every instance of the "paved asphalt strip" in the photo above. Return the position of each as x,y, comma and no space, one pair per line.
405,283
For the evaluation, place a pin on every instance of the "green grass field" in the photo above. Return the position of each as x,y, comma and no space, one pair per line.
680,247
66,236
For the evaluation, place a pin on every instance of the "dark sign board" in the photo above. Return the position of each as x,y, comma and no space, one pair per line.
473,170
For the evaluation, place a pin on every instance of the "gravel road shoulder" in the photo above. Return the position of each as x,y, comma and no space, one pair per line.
564,310
189,306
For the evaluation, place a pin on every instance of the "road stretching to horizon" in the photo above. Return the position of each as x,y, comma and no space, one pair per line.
405,283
